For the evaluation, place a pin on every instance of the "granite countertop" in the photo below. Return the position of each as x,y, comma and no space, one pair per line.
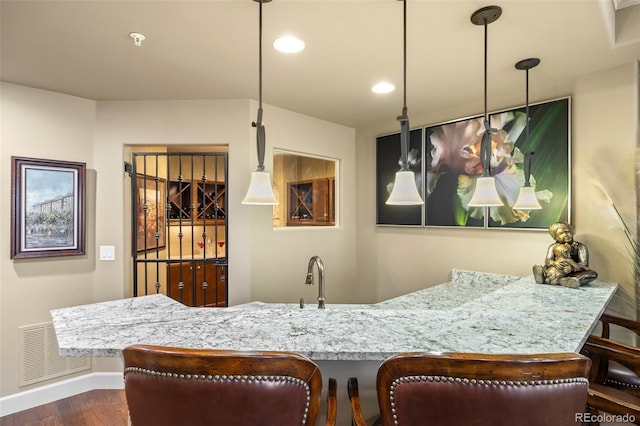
475,312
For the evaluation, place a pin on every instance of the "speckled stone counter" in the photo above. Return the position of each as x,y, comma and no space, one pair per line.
475,312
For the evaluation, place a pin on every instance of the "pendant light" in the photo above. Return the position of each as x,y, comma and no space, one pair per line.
404,192
485,193
260,191
527,199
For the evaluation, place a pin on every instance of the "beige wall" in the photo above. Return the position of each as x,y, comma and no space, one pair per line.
165,123
396,260
49,125
607,133
280,256
41,124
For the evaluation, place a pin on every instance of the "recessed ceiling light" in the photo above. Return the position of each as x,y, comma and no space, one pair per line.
288,44
383,87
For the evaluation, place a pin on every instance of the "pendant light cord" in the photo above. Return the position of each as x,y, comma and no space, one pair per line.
528,153
526,65
260,131
485,144
404,58
527,109
404,118
486,115
260,67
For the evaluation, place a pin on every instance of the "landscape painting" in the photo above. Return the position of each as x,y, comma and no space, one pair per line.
47,208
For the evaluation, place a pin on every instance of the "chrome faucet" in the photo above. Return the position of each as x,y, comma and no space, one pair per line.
317,261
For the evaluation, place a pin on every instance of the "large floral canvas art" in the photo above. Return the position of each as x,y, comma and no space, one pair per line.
447,166
453,166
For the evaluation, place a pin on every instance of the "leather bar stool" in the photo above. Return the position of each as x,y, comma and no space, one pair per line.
489,390
176,386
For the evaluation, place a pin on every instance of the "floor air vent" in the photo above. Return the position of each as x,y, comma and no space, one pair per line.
39,355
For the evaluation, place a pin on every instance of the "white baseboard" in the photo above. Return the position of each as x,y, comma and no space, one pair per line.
45,394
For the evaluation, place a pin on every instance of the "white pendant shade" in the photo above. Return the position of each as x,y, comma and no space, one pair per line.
527,199
405,192
260,190
485,194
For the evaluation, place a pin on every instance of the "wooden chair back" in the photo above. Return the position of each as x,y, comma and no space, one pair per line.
481,389
620,362
178,386
618,370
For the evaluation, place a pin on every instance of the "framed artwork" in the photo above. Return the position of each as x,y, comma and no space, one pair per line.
151,223
453,165
47,208
387,164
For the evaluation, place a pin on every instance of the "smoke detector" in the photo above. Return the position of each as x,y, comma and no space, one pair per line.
137,38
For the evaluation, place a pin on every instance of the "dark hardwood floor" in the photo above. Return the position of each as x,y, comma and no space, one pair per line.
100,407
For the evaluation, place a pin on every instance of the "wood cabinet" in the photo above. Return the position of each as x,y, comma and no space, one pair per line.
202,201
311,202
193,274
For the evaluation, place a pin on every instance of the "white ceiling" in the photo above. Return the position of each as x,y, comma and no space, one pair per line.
209,49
